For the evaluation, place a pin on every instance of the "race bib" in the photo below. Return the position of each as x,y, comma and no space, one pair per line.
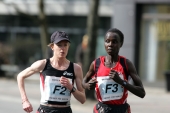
109,89
54,91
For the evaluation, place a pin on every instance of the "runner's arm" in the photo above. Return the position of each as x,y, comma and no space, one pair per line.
79,94
34,68
88,82
137,88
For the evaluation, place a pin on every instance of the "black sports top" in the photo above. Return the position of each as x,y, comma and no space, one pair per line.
52,92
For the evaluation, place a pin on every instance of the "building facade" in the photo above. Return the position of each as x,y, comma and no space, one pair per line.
145,24
66,15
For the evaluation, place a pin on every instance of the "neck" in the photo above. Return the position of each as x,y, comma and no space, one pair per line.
112,58
55,61
110,61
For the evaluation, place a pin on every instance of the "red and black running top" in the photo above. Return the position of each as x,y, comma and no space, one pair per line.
107,90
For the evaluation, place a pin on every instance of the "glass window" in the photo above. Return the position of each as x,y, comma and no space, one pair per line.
155,43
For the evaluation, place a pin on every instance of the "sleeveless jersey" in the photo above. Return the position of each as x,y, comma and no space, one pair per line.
52,92
107,90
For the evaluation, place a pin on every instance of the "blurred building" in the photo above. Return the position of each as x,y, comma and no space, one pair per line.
22,32
145,24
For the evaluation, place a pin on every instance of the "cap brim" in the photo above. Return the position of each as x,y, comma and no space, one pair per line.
59,40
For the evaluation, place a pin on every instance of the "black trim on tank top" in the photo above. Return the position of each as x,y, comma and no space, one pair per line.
47,60
56,103
97,64
122,62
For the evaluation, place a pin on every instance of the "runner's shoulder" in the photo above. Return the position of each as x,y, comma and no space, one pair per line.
39,64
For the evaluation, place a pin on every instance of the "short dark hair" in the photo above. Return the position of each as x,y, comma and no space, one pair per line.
115,30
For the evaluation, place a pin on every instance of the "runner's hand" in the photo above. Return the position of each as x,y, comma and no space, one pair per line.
92,84
27,106
115,76
66,83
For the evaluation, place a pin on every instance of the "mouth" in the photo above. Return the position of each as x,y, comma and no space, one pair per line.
110,50
61,52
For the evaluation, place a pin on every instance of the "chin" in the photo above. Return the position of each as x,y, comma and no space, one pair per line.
109,53
62,56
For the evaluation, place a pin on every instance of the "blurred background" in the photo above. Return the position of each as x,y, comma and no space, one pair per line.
145,24
26,27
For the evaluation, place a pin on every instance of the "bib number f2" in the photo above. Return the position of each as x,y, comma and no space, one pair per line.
54,91
62,90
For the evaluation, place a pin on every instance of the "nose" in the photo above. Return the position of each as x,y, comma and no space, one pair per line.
63,47
110,43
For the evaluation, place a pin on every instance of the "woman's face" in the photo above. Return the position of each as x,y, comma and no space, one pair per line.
60,49
112,43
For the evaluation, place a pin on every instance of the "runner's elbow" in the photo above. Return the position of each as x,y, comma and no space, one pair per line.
19,77
83,100
143,94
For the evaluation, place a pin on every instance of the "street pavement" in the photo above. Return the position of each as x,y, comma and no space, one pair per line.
157,99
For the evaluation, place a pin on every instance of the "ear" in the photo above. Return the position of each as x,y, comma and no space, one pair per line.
52,46
121,44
